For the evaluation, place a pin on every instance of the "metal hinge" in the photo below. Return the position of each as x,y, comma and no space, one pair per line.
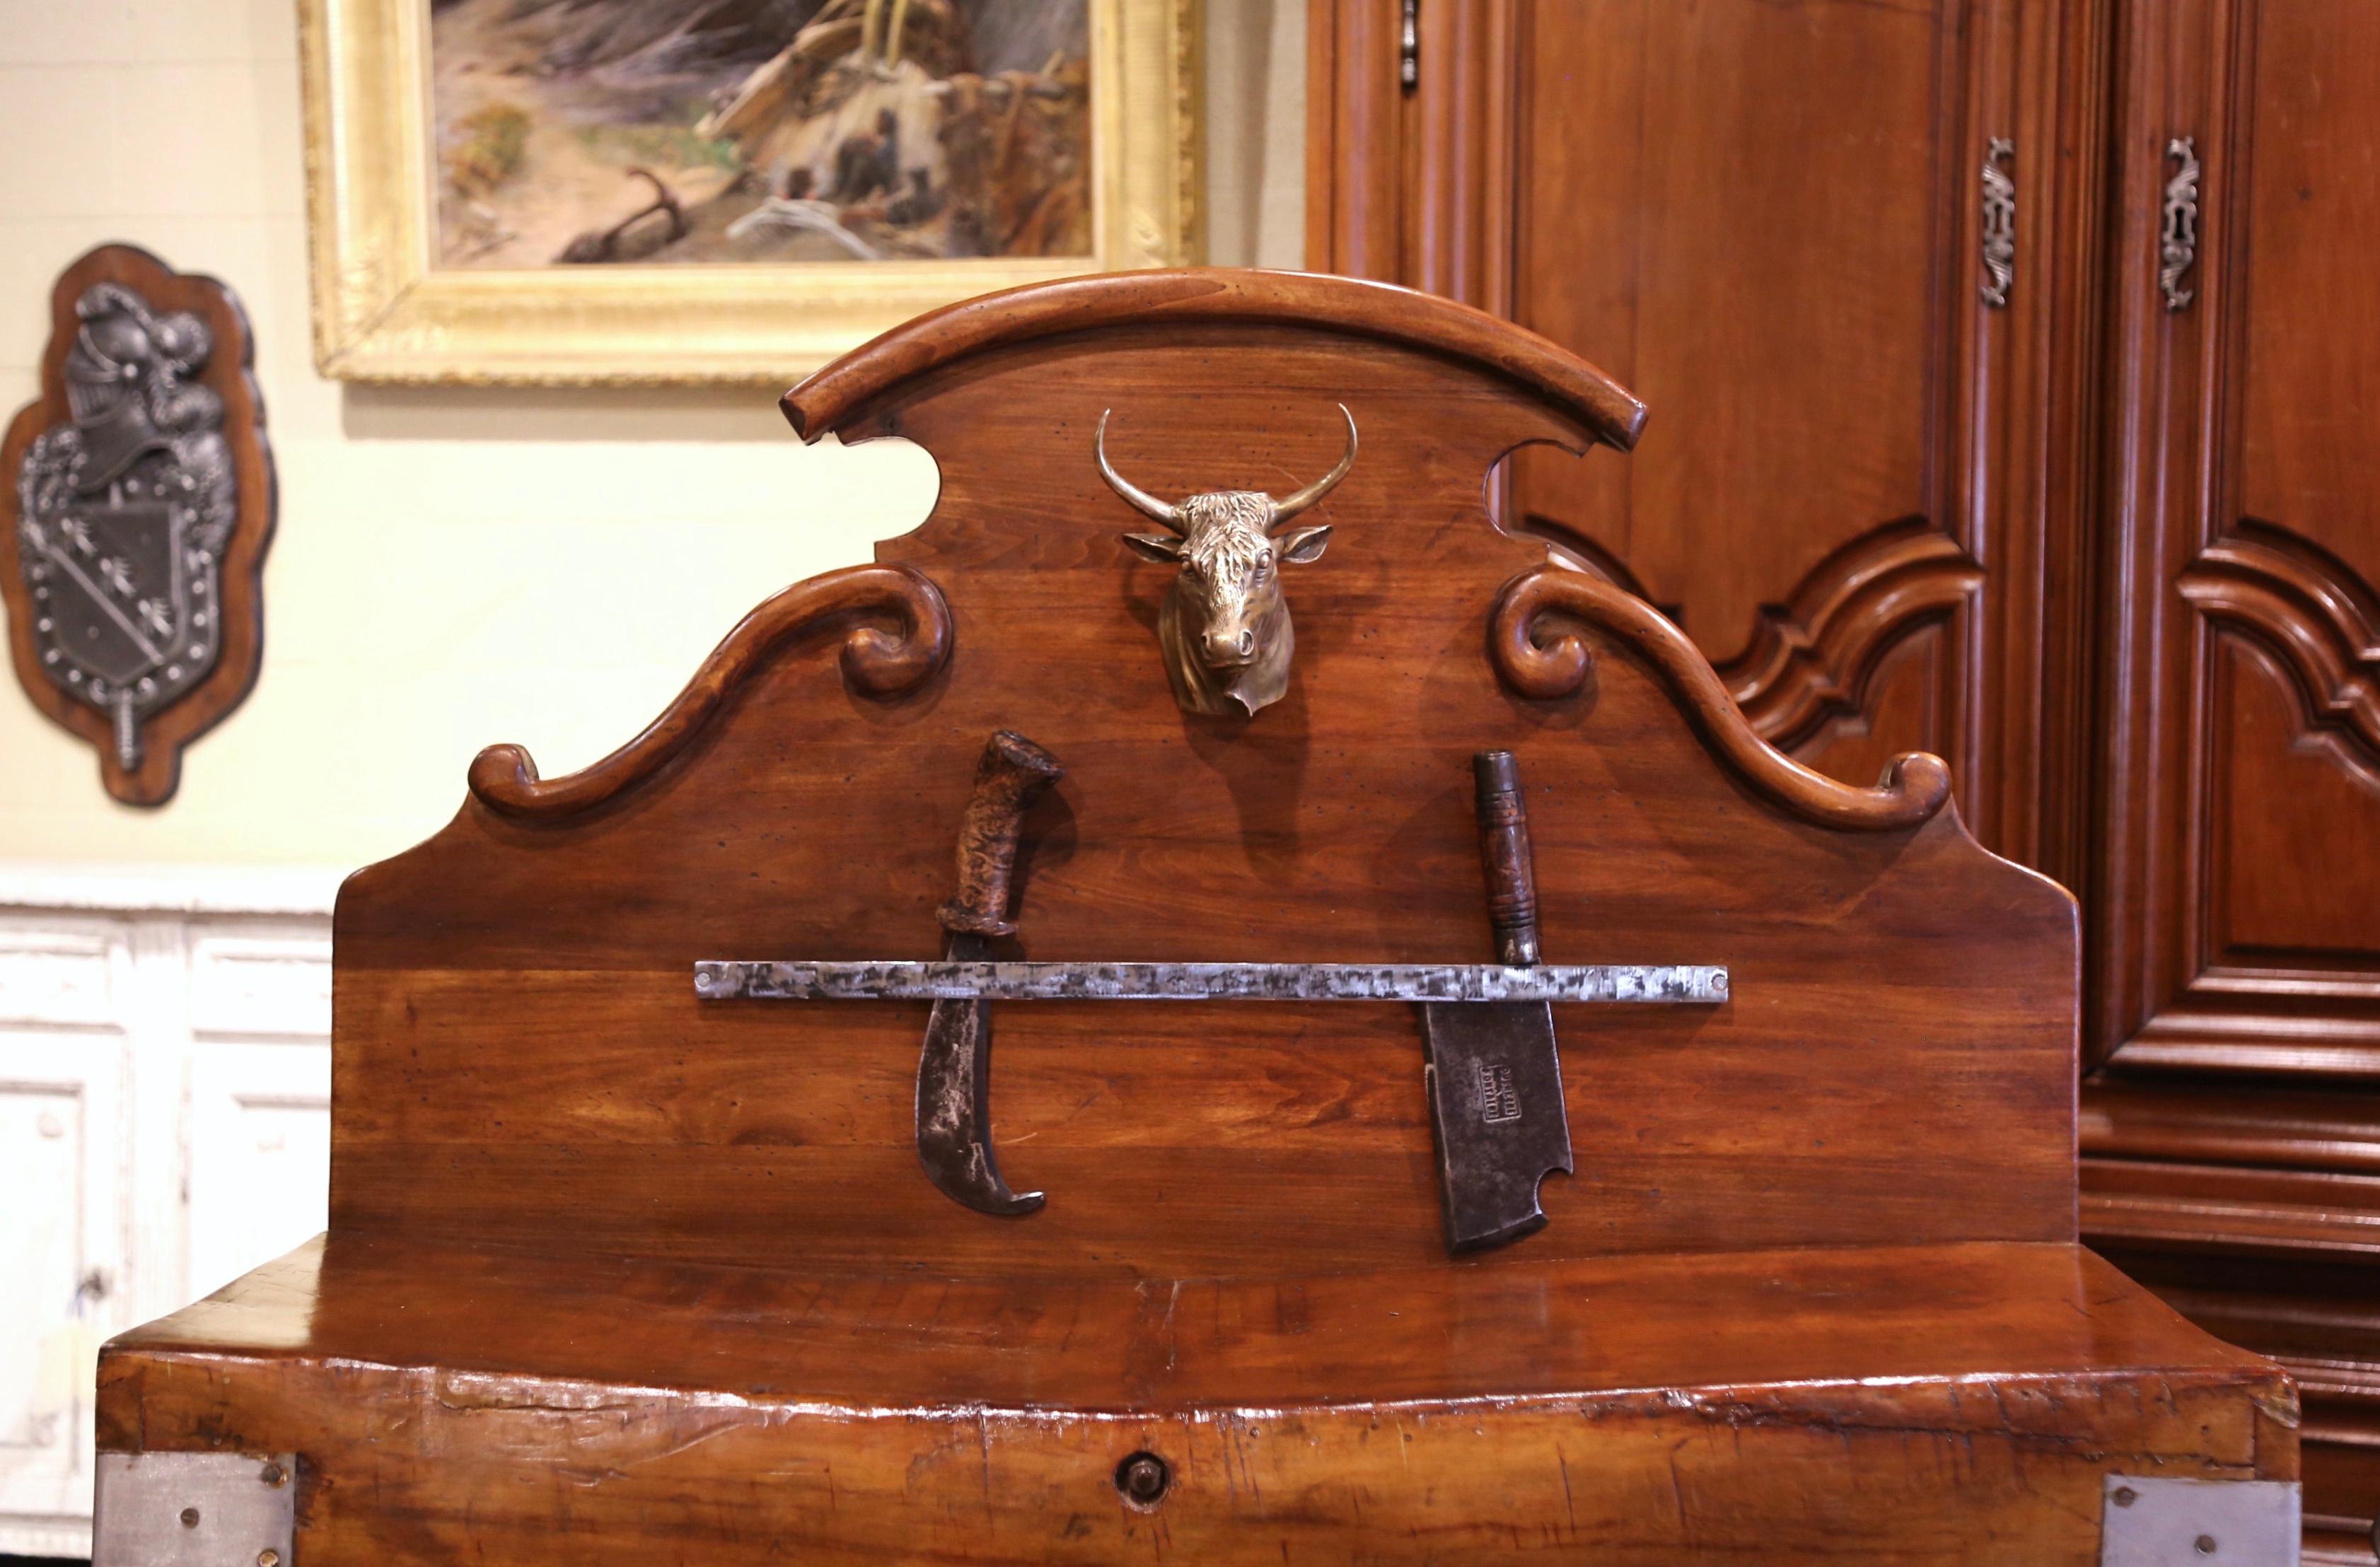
195,1509
2161,1523
1409,47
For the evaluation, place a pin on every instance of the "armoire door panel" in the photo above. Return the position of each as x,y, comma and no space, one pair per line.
2310,438
2294,894
1742,208
1769,220
2239,910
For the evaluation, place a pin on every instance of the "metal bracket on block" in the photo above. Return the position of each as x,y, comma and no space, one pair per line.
2162,1523
196,1510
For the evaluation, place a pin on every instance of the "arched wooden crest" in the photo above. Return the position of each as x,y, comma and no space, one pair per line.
779,809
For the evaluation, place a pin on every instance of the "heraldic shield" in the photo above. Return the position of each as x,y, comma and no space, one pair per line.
126,513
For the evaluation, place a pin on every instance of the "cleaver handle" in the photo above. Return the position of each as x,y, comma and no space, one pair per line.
1504,855
1012,771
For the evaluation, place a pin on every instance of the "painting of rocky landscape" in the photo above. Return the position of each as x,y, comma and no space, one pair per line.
661,131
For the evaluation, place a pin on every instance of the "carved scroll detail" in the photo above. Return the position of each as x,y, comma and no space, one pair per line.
875,665
1914,786
2312,609
1810,660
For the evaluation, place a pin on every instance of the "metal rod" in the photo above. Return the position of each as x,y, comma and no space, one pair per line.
902,979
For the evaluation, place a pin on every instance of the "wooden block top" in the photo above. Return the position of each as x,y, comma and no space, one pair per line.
1514,1329
1958,1403
520,1060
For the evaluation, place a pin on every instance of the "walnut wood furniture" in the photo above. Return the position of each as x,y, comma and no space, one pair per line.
2110,544
616,1275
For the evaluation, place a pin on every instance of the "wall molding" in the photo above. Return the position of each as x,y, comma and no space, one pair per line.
2200,1209
169,889
2220,1124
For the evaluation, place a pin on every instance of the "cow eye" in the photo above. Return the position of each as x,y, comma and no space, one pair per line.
1264,563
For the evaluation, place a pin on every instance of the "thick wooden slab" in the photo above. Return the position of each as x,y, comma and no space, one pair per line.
520,1058
1938,1405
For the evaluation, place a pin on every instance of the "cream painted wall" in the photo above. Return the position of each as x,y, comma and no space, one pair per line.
452,568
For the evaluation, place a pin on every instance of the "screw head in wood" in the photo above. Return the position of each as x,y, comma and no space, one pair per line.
1142,1478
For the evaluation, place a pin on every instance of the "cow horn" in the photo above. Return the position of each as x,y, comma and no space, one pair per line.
1141,500
1290,506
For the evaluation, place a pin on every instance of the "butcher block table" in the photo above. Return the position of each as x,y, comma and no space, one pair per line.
791,1264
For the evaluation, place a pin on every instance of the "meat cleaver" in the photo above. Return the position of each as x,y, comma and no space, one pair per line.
1493,1078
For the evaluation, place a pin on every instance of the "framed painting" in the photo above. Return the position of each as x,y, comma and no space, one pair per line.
620,192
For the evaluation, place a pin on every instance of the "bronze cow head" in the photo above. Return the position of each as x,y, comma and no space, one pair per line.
1224,625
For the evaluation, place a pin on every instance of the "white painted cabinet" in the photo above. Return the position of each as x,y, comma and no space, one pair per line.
165,1126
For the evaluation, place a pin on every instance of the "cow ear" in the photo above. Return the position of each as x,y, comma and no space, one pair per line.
1300,545
1154,546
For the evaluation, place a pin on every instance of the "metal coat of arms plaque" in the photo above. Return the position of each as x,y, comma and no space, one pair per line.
142,493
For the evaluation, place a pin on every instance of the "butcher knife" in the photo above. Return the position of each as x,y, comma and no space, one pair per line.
1493,1076
954,1066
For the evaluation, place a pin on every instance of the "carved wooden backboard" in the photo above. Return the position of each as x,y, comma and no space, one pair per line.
521,1057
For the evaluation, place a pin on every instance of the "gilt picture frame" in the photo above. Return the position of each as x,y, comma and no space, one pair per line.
669,297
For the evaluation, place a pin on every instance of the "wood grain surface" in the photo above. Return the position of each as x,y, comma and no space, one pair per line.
618,1275
2119,562
1936,1405
520,1055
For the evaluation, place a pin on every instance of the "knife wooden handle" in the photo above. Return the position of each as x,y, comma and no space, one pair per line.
1504,855
1012,771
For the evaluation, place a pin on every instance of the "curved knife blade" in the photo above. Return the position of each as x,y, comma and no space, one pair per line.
954,1102
954,1064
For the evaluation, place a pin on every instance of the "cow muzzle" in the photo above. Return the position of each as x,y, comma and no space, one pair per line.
1228,647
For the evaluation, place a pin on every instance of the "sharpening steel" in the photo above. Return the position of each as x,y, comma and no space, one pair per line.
902,979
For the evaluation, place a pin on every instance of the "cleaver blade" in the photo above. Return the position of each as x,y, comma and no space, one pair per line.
1494,1075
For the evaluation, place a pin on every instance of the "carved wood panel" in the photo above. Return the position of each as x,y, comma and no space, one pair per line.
1771,219
2235,902
1761,259
2114,548
2240,927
